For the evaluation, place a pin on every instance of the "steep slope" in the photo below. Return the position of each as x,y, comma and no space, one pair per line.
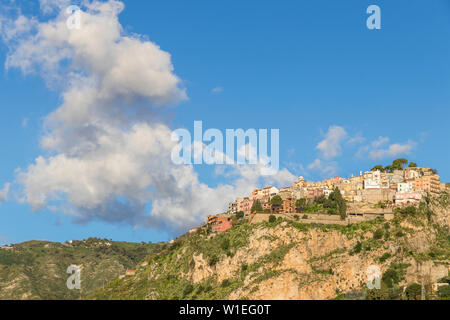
289,260
37,269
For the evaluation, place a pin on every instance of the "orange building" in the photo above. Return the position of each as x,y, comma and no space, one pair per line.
429,183
219,224
288,206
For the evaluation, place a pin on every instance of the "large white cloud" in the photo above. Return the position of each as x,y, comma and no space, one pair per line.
107,152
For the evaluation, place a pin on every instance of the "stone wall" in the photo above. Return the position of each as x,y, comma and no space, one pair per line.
323,218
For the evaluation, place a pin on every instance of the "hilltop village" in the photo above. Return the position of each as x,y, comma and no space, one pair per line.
337,200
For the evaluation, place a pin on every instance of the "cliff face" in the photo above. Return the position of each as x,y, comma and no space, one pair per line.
289,260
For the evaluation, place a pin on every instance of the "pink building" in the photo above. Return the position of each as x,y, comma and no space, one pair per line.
221,225
407,198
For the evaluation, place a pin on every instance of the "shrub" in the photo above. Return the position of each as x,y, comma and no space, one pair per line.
213,260
188,289
409,210
384,257
444,292
305,216
240,214
394,274
296,217
399,234
413,291
378,234
272,218
356,249
300,204
225,244
225,283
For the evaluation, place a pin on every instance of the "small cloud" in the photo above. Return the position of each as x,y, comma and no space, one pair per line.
357,139
423,136
290,152
326,169
330,147
25,122
380,141
217,90
394,150
4,193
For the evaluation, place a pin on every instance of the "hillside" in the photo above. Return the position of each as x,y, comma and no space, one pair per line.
37,269
287,259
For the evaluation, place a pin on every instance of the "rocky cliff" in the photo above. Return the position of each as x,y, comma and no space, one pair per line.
291,260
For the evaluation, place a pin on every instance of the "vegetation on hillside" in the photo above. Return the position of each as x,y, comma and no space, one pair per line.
37,269
166,274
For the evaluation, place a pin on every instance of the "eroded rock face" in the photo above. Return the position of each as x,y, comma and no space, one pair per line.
302,272
288,263
427,269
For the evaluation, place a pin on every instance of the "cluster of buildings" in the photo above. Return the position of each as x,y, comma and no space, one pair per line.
401,187
397,188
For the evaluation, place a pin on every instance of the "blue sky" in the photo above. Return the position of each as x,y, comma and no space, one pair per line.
300,66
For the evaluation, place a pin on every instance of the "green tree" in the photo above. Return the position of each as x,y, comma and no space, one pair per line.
377,167
341,205
320,199
400,163
256,207
240,214
379,294
413,291
412,165
276,200
444,292
300,204
272,218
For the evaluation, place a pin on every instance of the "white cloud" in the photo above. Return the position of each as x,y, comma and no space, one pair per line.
107,149
51,6
327,169
4,193
330,147
380,148
217,90
394,150
357,139
380,142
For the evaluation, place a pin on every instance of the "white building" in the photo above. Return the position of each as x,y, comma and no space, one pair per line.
372,180
405,187
232,207
270,191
